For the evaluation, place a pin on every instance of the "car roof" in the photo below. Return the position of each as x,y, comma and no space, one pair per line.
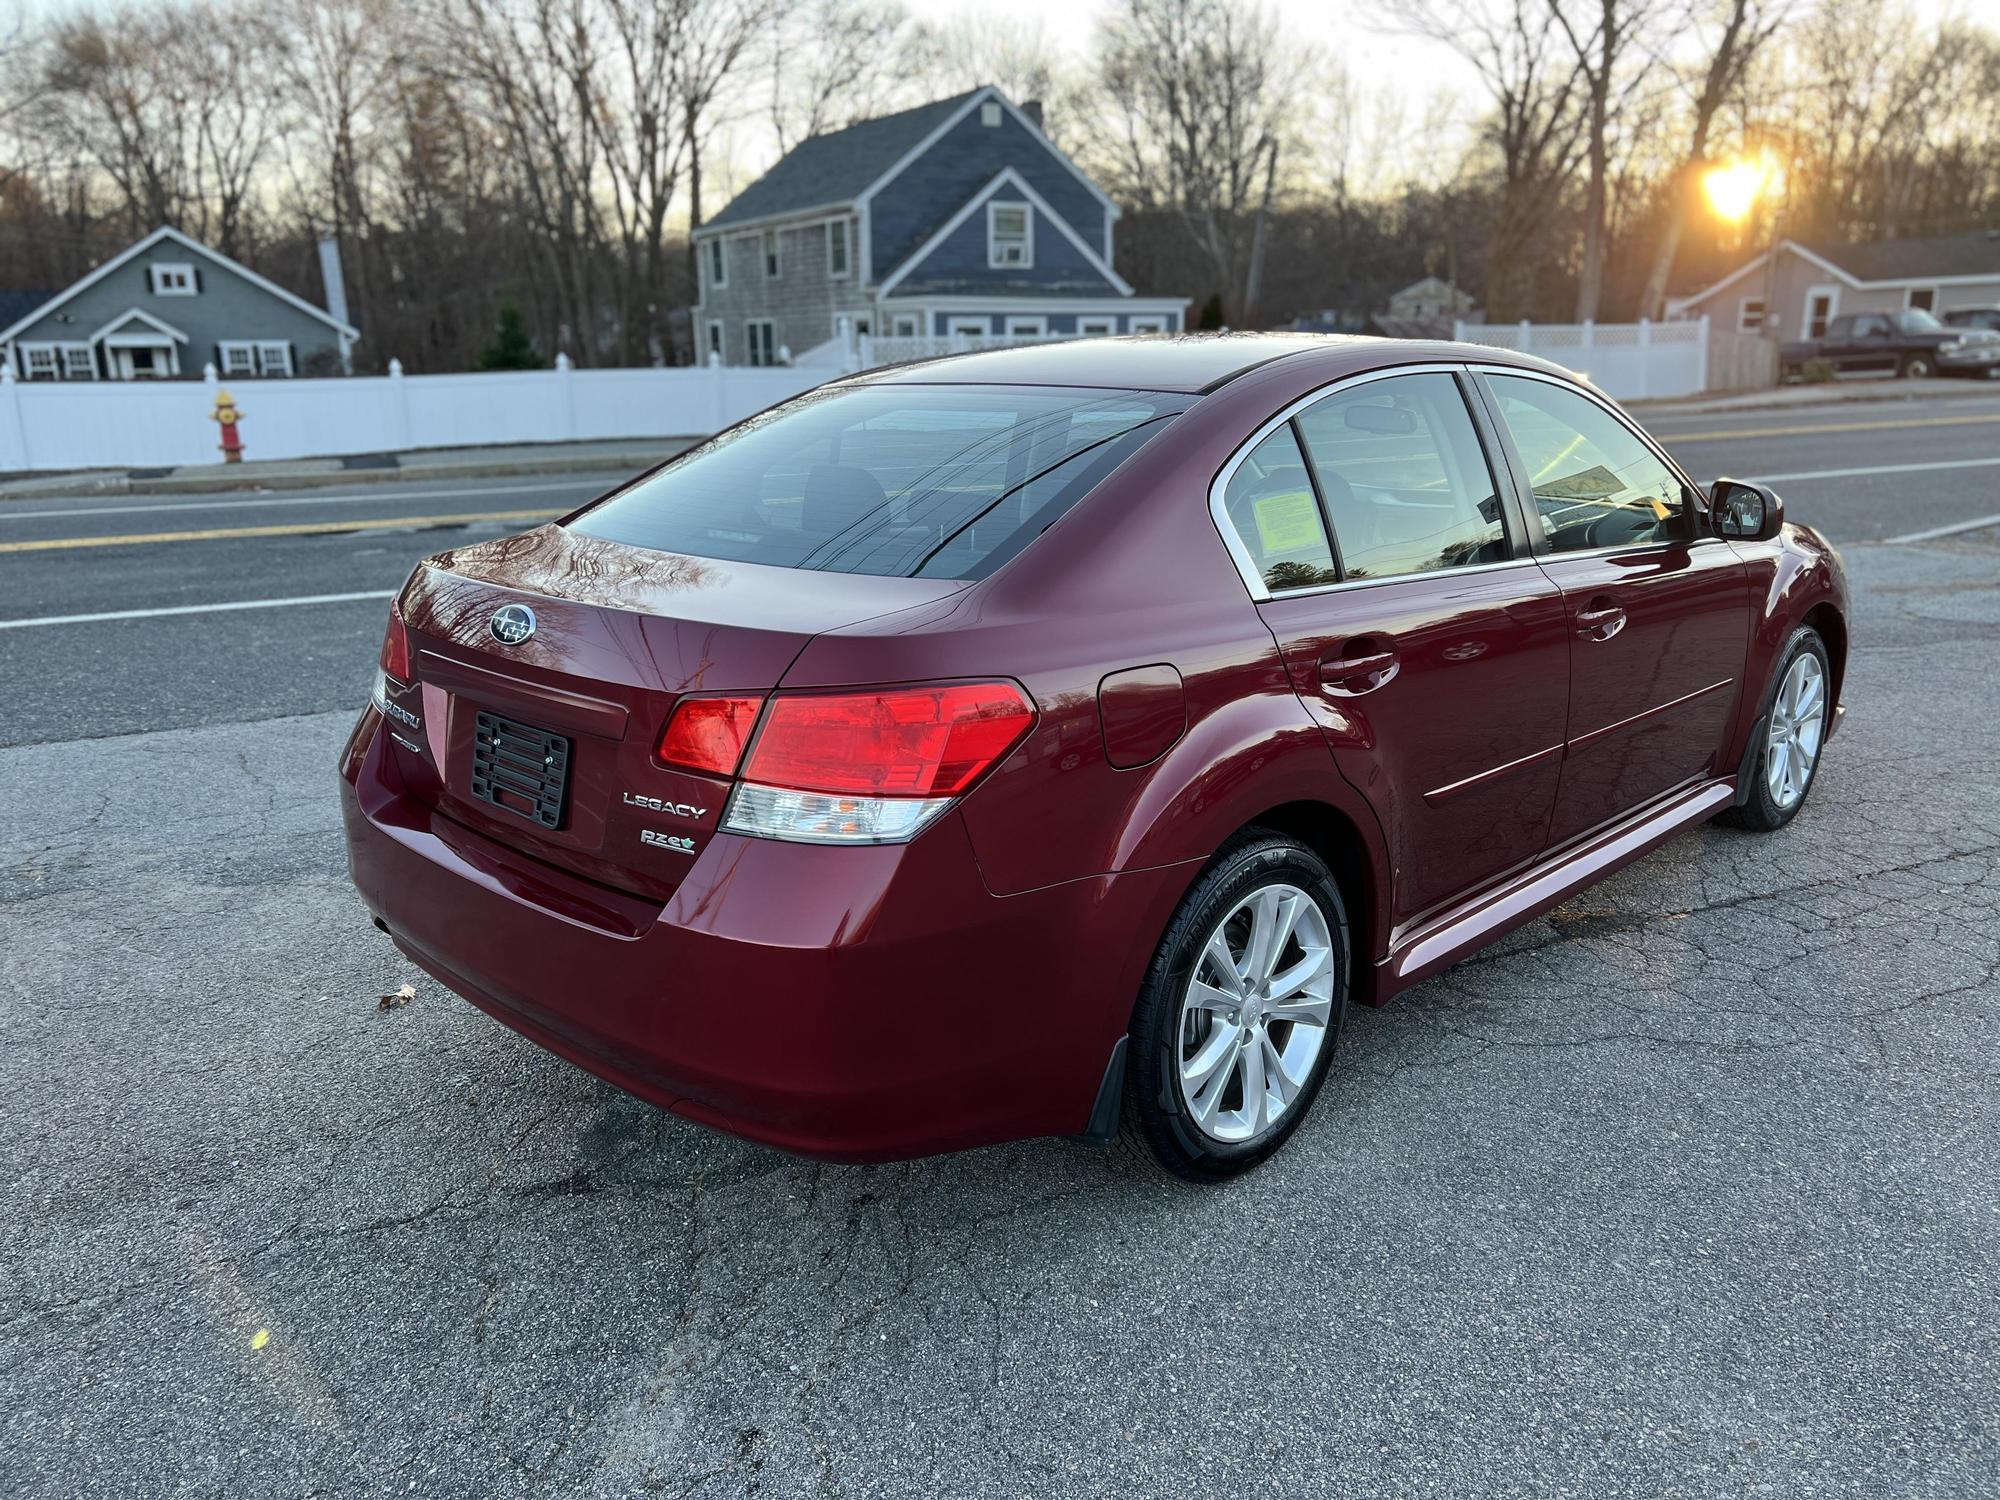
1190,362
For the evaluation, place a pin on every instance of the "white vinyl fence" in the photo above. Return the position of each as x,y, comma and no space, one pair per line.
1627,361
161,424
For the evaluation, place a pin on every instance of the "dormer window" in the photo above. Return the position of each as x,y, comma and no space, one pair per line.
1008,235
989,113
173,279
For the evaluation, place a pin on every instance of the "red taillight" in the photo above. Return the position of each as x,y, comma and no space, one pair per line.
708,734
893,742
396,648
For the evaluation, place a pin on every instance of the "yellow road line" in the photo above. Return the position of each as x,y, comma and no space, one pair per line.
1670,438
303,528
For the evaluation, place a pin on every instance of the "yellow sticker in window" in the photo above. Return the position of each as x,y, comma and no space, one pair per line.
1288,522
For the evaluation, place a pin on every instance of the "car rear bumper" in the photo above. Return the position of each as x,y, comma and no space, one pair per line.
853,1004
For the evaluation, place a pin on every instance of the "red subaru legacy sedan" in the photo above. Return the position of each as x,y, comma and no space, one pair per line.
1056,740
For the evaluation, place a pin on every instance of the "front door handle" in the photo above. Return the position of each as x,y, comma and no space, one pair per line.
1600,620
1351,676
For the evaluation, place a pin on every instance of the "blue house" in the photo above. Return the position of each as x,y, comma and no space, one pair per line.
957,222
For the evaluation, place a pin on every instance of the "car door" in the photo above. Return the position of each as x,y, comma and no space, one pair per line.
1659,611
1427,644
1874,347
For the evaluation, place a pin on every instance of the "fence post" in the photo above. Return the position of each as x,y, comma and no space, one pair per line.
844,331
566,390
1701,357
399,408
1645,358
1527,335
1458,330
13,426
867,352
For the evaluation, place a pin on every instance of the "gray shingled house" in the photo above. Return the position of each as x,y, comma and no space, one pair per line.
1812,283
956,220
166,307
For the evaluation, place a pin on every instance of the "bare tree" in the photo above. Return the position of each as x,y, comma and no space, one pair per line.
1602,35
832,62
1743,28
1536,124
1203,95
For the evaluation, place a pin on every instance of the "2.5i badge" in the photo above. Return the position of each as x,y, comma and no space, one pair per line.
672,841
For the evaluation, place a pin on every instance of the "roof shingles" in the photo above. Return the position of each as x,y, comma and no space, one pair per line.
838,166
1974,254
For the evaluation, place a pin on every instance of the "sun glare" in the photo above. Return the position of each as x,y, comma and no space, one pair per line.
1734,188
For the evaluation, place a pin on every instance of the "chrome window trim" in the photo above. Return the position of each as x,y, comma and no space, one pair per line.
1246,565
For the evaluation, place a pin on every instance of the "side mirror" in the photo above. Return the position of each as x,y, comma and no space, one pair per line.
1744,511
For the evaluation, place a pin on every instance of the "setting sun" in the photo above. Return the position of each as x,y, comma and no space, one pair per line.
1733,189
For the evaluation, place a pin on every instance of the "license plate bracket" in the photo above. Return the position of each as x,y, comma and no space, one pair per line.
520,768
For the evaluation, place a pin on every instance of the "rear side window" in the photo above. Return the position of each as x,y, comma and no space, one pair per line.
901,481
1274,511
1405,478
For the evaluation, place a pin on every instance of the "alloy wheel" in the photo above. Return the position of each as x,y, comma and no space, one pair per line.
1798,722
1256,1013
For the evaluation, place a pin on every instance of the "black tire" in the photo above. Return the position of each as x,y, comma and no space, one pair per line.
1158,1129
1758,810
1919,367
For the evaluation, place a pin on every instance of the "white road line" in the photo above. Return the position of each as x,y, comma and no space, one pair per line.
1948,463
1937,531
7,513
197,609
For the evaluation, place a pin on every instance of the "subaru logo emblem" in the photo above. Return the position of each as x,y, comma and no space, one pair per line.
512,624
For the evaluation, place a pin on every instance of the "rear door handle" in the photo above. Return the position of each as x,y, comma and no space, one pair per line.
1600,620
1351,676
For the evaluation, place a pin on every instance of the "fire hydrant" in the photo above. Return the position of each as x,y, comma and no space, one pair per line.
228,414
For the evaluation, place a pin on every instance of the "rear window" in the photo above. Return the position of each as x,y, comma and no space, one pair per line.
901,481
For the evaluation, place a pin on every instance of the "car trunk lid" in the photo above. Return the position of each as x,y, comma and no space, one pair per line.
546,742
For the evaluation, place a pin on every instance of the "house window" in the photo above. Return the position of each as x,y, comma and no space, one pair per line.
763,335
1148,323
1027,328
1007,234
718,264
1091,328
1750,315
714,354
238,359
972,328
1921,299
41,361
274,359
173,279
78,362
836,248
1821,304
904,325
989,114
770,252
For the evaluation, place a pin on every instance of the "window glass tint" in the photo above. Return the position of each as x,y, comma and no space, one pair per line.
1595,483
1271,504
942,481
1405,479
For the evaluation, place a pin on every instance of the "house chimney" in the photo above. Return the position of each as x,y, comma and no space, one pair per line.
1032,108
329,272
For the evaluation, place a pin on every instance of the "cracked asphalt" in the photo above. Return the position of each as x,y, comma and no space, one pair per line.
1691,1189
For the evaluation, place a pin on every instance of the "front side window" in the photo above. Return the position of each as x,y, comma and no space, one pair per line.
1595,483
1405,480
836,248
900,481
1007,226
1273,510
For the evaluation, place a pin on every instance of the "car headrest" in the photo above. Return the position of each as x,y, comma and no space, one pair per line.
836,496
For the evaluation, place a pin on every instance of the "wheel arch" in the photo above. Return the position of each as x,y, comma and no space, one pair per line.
1335,837
1826,618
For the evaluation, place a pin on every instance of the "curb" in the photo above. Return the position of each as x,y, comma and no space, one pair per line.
1839,394
88,484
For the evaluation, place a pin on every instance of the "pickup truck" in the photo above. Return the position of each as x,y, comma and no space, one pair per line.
1909,343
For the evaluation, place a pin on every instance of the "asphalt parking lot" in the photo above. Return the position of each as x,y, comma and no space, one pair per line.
1691,1189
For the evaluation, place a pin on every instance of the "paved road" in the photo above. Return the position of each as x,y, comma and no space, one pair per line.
1690,1190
